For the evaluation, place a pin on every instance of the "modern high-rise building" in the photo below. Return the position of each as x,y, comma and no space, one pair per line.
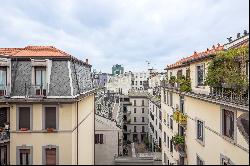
117,69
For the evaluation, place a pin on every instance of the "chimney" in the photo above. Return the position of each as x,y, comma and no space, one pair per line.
229,39
213,47
87,61
218,44
238,35
245,32
195,53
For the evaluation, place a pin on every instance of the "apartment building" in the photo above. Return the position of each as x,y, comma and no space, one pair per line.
200,122
155,123
108,141
135,127
46,107
123,83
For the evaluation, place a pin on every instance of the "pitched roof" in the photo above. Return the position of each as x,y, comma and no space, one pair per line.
196,56
38,51
44,51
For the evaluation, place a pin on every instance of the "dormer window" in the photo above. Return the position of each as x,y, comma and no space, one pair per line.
3,80
40,80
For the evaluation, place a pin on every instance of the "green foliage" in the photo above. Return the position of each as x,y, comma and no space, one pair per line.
225,69
172,80
178,140
185,84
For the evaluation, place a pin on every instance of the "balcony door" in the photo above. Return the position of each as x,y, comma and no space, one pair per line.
3,80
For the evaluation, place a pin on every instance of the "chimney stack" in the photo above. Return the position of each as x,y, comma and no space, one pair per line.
87,61
245,32
229,39
238,35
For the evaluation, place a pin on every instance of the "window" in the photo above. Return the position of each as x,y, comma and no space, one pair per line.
200,130
24,114
134,119
171,145
143,120
140,82
142,110
160,127
132,83
167,98
224,160
40,80
200,75
164,96
24,155
160,115
50,155
142,104
51,120
143,129
155,121
98,138
228,123
134,110
171,99
135,82
179,74
199,160
134,102
3,80
167,120
156,134
165,137
134,128
3,155
168,142
182,104
171,123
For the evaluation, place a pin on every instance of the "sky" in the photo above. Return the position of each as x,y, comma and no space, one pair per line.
127,32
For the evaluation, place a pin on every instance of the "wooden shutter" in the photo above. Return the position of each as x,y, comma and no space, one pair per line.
50,117
101,138
51,156
24,117
3,116
24,156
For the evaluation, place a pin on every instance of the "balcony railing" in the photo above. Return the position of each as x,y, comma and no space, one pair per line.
180,117
4,90
181,149
219,95
4,136
37,90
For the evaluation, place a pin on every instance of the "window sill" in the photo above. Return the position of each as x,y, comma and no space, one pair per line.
228,139
200,142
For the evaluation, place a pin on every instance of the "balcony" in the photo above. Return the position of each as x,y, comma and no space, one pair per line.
220,95
4,90
4,136
179,145
37,91
180,118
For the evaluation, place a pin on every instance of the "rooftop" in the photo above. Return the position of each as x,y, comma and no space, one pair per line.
196,55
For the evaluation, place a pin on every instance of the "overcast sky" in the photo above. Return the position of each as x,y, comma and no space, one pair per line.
127,32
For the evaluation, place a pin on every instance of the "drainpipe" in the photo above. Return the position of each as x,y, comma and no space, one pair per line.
77,132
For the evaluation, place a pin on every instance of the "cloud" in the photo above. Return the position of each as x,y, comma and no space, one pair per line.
124,32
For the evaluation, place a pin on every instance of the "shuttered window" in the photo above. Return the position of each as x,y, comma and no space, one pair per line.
3,116
24,156
50,156
50,117
24,118
228,125
99,139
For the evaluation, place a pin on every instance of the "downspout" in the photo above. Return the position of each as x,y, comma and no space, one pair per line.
77,114
77,132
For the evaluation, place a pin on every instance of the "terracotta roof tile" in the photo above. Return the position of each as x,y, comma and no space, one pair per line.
28,51
196,55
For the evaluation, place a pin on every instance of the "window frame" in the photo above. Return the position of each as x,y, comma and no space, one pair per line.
234,139
44,153
17,116
202,142
198,158
197,74
57,116
18,148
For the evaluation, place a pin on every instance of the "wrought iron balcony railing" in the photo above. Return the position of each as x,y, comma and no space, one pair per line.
37,90
4,135
4,90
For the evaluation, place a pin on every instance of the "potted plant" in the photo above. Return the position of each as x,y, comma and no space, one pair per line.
178,140
50,130
24,129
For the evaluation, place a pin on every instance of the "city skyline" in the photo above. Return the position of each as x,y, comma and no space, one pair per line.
117,32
